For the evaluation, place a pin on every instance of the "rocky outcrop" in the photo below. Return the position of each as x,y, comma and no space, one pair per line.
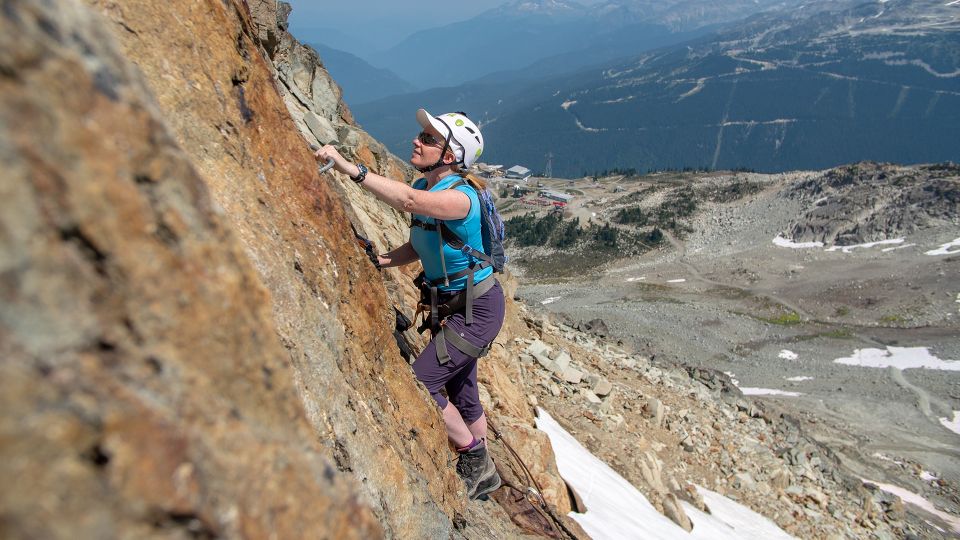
869,202
191,340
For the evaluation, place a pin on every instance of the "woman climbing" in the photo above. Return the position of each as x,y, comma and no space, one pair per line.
466,301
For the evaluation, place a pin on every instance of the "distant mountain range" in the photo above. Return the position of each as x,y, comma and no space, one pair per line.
805,88
520,33
360,81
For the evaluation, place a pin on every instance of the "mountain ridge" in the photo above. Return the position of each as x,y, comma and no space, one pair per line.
516,34
798,90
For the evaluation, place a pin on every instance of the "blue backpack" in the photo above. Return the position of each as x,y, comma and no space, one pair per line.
491,229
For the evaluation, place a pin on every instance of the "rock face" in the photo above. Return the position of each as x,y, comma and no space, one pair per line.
144,386
191,341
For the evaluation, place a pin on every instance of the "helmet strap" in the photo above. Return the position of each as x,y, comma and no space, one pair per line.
446,146
439,163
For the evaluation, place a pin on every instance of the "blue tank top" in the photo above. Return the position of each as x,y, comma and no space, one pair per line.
427,243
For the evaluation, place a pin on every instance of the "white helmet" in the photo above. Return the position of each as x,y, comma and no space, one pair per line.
463,136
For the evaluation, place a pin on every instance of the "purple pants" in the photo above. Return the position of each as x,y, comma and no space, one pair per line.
459,375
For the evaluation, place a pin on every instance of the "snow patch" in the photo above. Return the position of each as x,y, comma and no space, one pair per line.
952,425
910,497
945,248
878,455
799,379
783,242
885,250
616,509
928,476
551,300
848,249
749,391
788,355
898,357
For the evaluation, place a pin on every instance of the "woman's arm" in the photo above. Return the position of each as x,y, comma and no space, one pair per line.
446,205
404,254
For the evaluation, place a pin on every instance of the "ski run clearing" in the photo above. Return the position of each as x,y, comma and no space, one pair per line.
616,509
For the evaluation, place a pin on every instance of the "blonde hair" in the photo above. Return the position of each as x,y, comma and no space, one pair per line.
474,180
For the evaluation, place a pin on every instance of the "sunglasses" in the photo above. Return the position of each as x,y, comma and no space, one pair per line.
429,140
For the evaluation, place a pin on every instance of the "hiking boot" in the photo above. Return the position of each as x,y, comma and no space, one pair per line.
478,472
487,485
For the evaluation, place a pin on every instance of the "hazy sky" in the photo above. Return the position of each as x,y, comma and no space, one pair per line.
364,26
377,24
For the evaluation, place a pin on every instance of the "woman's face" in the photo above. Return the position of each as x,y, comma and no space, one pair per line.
426,153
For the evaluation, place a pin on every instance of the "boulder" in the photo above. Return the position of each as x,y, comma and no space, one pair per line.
743,480
650,471
545,362
654,410
780,478
572,375
602,387
590,396
673,510
597,327
538,348
562,360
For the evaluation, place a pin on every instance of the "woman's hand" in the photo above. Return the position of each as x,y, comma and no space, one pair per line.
340,163
404,254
